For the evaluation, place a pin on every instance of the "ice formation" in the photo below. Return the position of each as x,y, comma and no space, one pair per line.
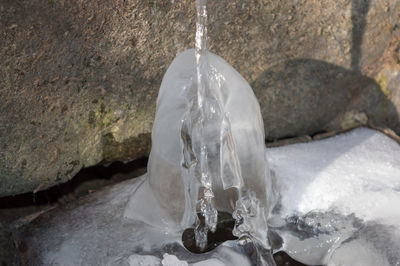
238,148
208,146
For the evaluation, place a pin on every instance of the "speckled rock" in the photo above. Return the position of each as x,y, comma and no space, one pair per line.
79,79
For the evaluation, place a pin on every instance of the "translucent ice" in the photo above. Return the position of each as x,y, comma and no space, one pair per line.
167,180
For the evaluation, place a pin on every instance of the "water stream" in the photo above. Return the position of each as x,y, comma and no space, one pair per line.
208,115
210,155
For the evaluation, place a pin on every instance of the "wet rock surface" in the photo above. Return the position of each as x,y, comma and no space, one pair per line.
79,79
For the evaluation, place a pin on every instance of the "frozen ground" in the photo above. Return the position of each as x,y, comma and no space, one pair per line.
339,205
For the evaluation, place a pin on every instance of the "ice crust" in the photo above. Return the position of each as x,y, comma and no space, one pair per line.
320,215
346,186
357,172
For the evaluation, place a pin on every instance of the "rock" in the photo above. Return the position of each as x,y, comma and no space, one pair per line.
7,250
79,79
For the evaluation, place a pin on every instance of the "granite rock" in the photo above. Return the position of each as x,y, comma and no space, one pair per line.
79,79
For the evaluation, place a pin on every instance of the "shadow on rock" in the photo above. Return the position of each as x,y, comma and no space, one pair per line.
307,96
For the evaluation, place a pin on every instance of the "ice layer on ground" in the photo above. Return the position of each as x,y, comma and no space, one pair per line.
348,182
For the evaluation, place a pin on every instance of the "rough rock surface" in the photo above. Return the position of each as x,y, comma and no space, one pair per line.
79,79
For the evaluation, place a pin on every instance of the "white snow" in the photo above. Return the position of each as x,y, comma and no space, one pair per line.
171,260
357,172
347,185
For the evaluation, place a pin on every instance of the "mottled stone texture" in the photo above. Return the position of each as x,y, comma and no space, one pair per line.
79,79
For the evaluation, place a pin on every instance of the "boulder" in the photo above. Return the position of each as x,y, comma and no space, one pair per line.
79,79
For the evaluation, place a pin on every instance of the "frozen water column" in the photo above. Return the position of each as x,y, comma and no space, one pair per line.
240,106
